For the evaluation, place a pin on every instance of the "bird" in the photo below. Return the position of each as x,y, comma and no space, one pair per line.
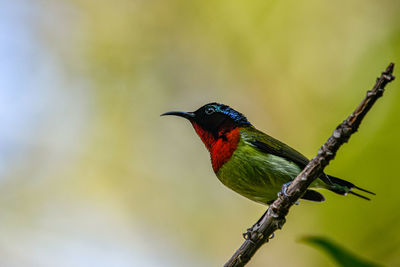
252,163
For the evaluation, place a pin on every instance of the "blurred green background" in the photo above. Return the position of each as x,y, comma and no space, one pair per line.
90,175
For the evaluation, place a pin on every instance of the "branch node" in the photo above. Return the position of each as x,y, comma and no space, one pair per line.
336,133
271,236
271,211
247,234
389,77
280,223
273,214
261,236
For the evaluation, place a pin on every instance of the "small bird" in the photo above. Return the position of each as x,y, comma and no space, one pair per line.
250,162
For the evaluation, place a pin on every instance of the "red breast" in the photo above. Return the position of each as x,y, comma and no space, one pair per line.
221,148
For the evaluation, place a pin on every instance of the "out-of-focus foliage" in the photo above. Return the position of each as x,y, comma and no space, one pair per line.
341,256
90,175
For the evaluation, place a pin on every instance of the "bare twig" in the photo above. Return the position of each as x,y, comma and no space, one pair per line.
274,217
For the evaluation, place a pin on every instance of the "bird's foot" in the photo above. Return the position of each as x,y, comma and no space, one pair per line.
284,189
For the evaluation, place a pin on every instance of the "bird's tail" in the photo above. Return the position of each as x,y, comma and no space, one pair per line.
343,187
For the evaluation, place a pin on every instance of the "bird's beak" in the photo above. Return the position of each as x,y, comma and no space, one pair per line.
187,115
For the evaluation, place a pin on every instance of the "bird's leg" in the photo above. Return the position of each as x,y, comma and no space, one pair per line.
284,191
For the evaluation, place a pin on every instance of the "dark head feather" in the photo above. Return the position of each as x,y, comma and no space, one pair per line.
215,117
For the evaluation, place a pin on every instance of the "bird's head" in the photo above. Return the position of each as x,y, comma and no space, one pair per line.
212,121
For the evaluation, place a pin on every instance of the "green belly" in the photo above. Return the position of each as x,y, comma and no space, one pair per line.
256,175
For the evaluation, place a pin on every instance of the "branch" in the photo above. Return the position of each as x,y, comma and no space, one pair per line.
274,217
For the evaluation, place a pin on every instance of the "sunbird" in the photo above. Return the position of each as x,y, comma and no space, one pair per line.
250,162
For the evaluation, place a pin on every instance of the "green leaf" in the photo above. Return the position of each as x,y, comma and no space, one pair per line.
342,256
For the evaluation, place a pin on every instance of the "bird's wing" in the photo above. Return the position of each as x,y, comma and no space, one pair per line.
270,145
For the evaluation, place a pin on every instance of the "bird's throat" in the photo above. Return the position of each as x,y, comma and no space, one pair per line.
222,147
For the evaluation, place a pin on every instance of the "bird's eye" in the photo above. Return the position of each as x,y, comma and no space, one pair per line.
209,110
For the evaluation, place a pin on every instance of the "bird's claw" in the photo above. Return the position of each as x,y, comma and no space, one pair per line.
284,189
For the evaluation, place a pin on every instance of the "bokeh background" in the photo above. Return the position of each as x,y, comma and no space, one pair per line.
90,175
